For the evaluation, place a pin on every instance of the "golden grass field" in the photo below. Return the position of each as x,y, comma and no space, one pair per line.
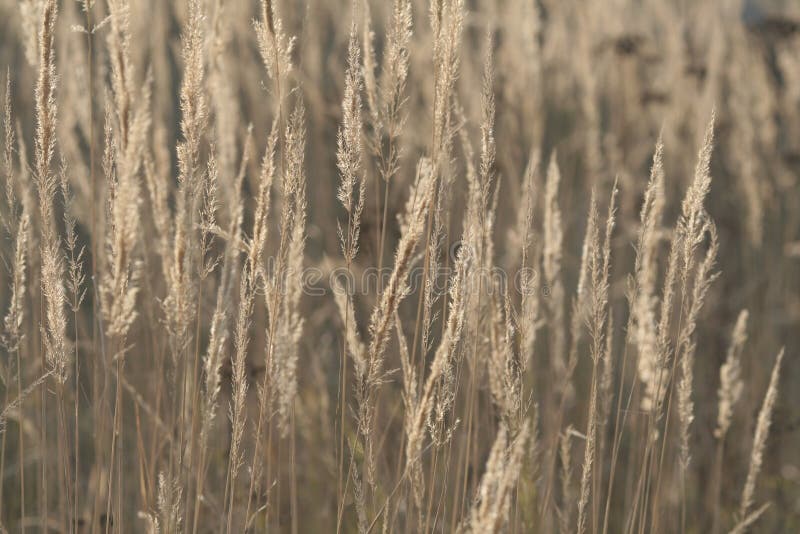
417,266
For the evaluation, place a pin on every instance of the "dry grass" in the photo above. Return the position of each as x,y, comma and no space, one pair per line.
356,266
